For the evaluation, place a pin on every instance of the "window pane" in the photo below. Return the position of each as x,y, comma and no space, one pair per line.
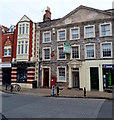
89,32
106,49
9,51
74,33
20,29
26,47
22,47
27,28
47,54
105,30
61,73
75,52
46,37
90,51
23,28
5,52
62,35
61,54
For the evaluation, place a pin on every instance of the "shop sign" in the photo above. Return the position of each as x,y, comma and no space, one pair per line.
67,48
107,66
5,65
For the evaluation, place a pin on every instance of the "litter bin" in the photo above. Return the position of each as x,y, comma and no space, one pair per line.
34,84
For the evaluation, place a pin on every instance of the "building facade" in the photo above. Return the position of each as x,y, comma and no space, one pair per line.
77,50
18,53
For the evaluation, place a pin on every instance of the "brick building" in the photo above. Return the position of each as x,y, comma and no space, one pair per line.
76,50
18,53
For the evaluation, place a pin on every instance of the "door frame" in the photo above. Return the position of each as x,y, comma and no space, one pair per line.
49,75
91,80
75,71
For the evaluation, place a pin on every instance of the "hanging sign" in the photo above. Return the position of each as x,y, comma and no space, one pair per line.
67,48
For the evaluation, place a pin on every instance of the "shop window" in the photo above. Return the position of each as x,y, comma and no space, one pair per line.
22,75
108,77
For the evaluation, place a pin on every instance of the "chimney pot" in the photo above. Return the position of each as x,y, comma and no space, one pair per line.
47,15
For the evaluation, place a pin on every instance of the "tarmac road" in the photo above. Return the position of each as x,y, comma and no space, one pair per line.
34,106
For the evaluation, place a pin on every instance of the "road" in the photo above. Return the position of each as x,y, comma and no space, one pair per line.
34,106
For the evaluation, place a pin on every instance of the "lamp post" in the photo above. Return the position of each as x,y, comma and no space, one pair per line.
40,68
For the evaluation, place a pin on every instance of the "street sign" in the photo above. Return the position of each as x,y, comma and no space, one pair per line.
67,48
5,65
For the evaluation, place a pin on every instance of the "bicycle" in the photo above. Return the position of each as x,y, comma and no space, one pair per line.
16,87
13,87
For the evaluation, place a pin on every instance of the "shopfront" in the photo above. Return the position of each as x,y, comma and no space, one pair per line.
108,76
6,73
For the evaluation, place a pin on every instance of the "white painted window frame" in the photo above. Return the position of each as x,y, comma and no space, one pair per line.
78,33
43,53
78,51
101,53
58,74
86,51
7,47
93,31
44,37
23,46
58,53
58,35
105,23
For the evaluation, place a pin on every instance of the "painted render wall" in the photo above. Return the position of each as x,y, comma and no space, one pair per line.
85,73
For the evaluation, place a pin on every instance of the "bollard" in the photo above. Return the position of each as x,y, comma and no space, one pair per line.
84,92
57,91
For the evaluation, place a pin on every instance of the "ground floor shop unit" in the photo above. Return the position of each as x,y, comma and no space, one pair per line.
22,73
89,74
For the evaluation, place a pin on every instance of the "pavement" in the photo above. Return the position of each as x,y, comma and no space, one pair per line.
66,93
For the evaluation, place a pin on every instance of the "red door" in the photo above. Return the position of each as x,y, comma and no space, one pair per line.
46,77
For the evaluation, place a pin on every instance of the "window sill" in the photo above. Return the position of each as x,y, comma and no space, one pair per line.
6,56
62,81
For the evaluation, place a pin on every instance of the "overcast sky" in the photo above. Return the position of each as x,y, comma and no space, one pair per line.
11,11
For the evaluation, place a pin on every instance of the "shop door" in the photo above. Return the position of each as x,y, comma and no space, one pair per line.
46,77
6,76
94,77
75,77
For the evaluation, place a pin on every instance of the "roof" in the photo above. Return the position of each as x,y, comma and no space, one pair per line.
48,23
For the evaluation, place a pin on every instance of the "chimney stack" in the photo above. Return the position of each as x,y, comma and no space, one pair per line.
47,15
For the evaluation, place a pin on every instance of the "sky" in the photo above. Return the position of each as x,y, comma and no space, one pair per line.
11,11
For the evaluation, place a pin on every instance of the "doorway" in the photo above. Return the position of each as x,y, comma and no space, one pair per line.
75,77
6,76
46,77
94,78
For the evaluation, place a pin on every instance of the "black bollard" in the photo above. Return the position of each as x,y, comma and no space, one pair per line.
84,92
57,91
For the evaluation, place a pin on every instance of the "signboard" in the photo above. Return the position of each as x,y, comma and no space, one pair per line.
107,66
67,48
5,65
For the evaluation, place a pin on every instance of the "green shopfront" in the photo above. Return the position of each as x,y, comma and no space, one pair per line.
108,76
